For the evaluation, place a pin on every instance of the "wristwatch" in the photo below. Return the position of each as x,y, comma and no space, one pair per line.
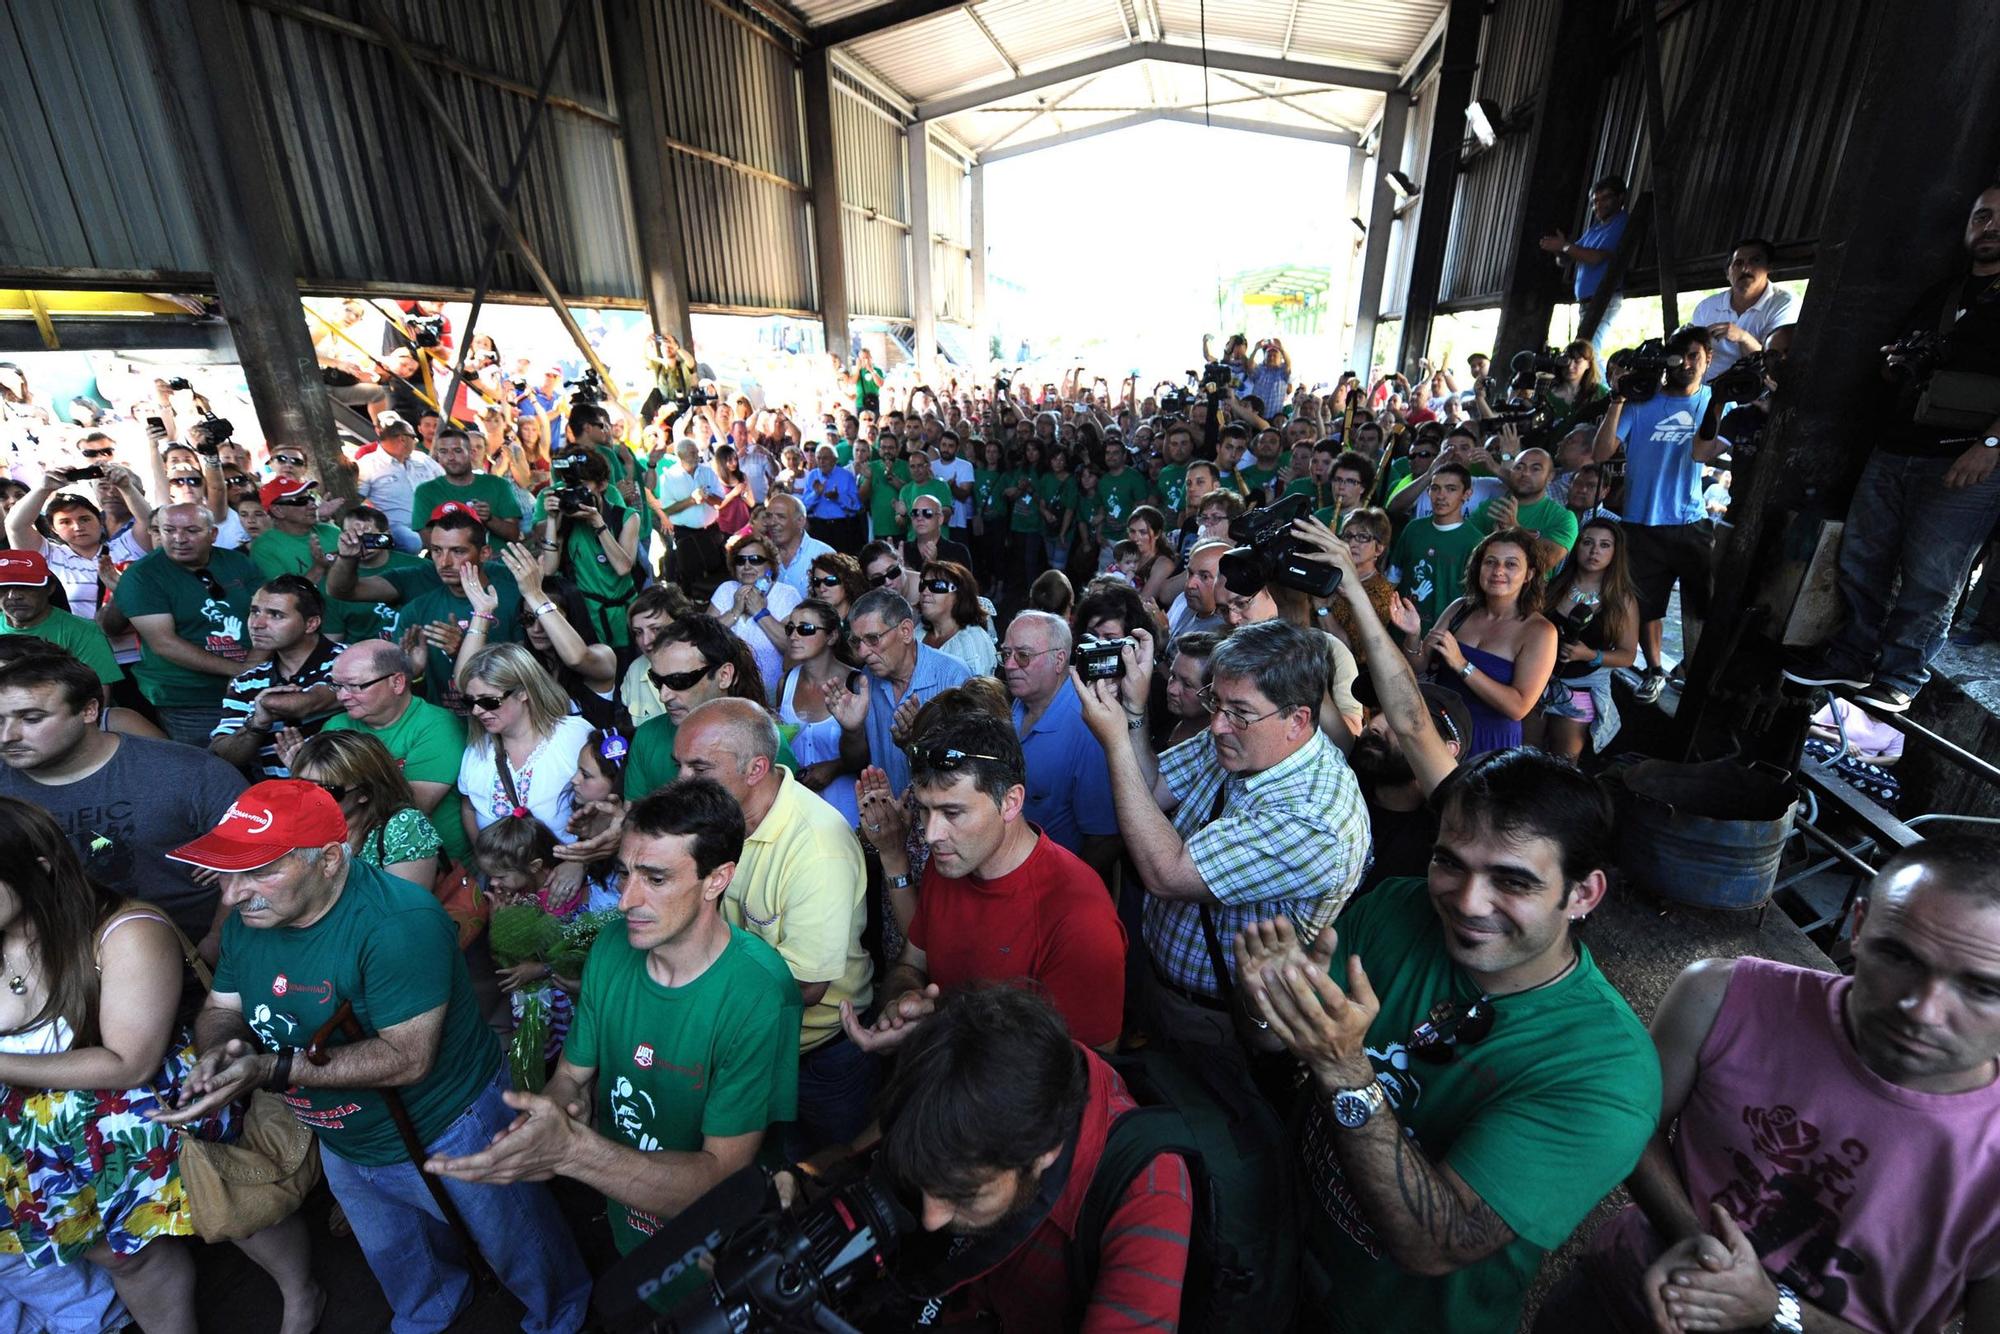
545,608
1789,1319
1468,669
1991,442
1353,1108
281,1079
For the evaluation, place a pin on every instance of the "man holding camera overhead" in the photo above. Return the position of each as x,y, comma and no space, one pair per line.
1259,816
1662,417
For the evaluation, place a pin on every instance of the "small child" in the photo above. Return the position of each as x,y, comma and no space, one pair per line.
1125,555
540,953
600,777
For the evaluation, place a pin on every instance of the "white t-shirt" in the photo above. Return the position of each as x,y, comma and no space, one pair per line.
543,783
779,600
958,472
1773,311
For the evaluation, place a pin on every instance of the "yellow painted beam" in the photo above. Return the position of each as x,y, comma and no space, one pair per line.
58,302
48,330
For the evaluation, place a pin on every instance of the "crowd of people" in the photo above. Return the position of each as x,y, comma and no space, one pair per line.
629,795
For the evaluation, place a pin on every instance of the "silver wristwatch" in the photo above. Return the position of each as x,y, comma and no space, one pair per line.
1789,1319
1352,1108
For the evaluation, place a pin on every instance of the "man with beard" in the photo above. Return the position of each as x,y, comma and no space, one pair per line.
997,1120
1666,440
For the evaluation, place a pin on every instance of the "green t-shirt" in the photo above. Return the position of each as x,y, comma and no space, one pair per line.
1256,477
1544,518
495,491
371,620
1118,494
1321,496
278,552
388,947
939,490
424,599
1023,515
651,765
867,390
882,495
1085,507
429,744
1543,1117
718,1056
1173,487
79,636
1057,493
605,591
843,452
987,501
211,615
1430,565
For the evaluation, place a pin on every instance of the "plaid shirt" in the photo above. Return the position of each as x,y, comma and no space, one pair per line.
1292,839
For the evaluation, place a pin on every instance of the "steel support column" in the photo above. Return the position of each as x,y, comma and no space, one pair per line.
1375,254
638,66
198,61
823,171
978,247
1558,166
1924,82
1663,150
1440,183
1342,262
923,311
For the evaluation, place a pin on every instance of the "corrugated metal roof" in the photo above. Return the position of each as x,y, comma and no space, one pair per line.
989,43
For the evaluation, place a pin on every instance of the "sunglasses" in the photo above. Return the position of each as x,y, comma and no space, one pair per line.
302,499
923,514
338,791
1451,1024
184,479
804,629
892,573
291,459
99,453
940,586
678,680
949,759
825,581
748,559
488,703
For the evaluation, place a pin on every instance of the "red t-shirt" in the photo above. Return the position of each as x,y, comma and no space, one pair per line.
1049,919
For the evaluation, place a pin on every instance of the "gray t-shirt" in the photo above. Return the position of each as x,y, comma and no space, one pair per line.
150,797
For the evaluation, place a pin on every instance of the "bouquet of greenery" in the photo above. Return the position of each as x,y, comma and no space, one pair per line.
523,933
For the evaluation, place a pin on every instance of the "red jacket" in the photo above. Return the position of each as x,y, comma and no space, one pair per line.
1141,1259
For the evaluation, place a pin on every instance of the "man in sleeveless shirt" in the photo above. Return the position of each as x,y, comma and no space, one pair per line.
1834,1165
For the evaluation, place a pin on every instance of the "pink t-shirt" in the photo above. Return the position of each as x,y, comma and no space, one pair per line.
1873,1202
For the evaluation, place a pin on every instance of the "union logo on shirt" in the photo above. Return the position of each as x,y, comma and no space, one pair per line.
280,985
641,1057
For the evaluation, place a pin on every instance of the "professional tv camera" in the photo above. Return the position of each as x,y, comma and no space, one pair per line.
1271,554
1743,382
573,495
586,388
1645,367
426,330
769,1269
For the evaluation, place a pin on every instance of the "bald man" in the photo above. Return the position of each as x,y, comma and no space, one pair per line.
1527,504
794,549
801,887
371,680
190,603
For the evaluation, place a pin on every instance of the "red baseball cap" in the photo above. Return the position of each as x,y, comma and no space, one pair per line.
24,568
281,488
268,820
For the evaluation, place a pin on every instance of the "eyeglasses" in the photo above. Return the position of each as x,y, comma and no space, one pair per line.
749,558
803,629
1451,1024
1021,657
105,453
356,687
488,703
1238,720
949,759
825,581
889,575
871,642
940,586
679,680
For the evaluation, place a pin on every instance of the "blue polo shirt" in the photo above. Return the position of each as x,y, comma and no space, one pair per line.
1600,236
830,495
1069,783
935,673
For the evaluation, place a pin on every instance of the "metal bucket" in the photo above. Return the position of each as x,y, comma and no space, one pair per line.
1708,835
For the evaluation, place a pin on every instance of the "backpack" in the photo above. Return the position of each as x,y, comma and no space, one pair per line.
1243,1251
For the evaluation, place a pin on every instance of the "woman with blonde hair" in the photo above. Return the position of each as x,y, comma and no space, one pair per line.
523,741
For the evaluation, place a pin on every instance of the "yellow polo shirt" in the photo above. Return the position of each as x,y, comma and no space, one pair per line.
801,887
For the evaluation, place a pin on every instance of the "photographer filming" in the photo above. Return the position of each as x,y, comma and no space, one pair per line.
1928,495
591,537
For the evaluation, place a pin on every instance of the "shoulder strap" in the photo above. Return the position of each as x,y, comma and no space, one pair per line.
1135,1139
506,769
1459,618
202,973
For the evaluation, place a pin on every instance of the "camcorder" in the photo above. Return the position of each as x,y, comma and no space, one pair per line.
373,541
1913,357
766,1269
64,476
572,493
1548,361
696,397
426,330
1270,553
586,388
1743,382
1644,369
1098,659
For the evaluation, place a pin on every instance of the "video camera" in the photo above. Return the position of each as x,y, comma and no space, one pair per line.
1548,361
426,330
1645,366
586,388
1266,532
1743,382
572,493
769,1269
1915,356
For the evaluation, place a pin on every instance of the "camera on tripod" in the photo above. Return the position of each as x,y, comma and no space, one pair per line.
1271,553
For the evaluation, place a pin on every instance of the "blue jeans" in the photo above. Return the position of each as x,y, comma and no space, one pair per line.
60,1299
836,1082
1909,543
192,726
417,1258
